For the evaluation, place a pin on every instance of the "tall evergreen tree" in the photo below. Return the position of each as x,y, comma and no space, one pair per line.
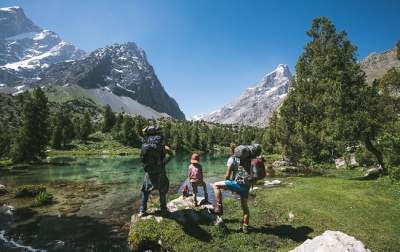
86,127
109,119
325,110
34,134
130,136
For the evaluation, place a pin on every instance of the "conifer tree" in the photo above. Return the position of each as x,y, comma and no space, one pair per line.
86,127
34,134
325,110
109,119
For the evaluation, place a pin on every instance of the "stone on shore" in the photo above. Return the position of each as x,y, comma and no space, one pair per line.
154,231
332,241
3,189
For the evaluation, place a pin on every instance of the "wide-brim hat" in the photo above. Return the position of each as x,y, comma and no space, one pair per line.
195,158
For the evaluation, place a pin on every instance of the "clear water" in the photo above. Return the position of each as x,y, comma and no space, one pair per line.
122,176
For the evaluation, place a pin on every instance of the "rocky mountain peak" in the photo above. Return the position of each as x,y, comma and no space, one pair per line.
13,21
256,105
26,50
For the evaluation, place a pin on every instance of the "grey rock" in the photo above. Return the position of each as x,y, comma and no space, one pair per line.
121,69
257,104
332,241
340,163
26,50
3,189
374,173
376,65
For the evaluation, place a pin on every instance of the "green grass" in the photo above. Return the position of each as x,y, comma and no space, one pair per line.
99,144
367,210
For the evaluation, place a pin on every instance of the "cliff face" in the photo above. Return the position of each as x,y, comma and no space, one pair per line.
256,105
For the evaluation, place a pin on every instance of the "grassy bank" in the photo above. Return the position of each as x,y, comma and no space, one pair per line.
97,145
283,217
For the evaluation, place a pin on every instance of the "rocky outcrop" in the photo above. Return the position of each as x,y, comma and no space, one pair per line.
376,65
155,232
256,105
120,69
289,168
332,241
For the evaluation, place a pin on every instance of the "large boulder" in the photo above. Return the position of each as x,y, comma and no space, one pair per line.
373,173
289,168
157,232
332,241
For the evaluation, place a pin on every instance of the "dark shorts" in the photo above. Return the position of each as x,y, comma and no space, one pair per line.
155,181
241,189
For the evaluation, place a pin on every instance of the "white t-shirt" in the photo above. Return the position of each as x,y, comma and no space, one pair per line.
234,165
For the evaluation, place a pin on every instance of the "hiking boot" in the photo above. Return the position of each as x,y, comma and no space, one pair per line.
245,229
218,209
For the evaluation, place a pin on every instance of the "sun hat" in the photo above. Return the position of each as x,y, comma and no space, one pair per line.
195,158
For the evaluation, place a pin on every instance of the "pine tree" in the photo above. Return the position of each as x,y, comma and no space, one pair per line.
325,109
34,134
68,130
86,127
109,119
57,137
130,136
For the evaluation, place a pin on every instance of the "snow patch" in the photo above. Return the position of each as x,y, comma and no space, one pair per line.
25,35
10,9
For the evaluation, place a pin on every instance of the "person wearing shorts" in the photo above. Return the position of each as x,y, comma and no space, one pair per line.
230,184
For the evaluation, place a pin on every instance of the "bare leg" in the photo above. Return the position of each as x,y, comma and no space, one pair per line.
218,186
246,212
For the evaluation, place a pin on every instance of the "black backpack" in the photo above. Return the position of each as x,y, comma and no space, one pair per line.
152,154
243,154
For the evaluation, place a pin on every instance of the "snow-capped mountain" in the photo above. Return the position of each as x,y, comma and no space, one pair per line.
26,49
118,75
120,69
256,105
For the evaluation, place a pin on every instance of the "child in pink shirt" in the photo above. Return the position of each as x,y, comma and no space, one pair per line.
195,174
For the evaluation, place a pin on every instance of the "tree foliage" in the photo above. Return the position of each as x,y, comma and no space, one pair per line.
109,119
33,136
330,106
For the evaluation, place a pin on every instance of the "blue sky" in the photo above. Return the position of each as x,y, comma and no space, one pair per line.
206,52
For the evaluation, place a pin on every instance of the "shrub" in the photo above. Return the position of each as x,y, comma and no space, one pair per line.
29,190
364,157
44,198
394,173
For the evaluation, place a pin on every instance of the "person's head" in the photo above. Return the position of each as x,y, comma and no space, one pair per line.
195,158
151,130
258,149
233,146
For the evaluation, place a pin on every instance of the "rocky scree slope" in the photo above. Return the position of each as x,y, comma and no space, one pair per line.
120,69
256,105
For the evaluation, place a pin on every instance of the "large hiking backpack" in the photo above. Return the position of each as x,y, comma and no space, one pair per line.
258,169
152,154
249,171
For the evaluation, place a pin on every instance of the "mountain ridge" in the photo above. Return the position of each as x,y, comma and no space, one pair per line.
256,104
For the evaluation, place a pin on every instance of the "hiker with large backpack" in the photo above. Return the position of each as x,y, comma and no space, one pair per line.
244,167
153,156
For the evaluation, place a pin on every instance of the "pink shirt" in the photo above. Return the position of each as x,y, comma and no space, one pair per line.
195,172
